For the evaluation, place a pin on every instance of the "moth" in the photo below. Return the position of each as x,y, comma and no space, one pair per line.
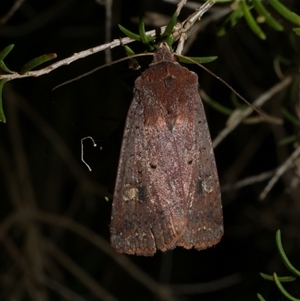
167,190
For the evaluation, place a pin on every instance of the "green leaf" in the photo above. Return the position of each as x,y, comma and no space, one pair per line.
251,21
260,297
37,61
169,41
283,255
260,8
169,29
282,289
214,104
4,52
129,33
199,60
2,115
222,1
133,35
128,50
4,68
297,31
285,12
282,279
142,33
231,21
236,102
288,140
290,117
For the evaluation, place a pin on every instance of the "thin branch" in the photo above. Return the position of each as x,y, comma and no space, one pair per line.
280,171
76,57
239,115
58,143
60,289
180,5
78,272
43,17
88,52
108,19
26,269
71,59
217,13
188,24
249,181
11,12
163,292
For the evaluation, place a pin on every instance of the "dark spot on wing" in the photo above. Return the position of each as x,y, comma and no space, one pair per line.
199,186
170,123
142,193
168,81
128,225
153,165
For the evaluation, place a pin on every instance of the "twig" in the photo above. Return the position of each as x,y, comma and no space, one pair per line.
71,59
163,292
20,261
249,181
75,57
57,287
188,24
217,13
108,19
34,253
58,143
280,171
239,115
180,5
11,12
93,50
78,272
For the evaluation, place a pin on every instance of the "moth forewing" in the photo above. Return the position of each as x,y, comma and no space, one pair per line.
167,190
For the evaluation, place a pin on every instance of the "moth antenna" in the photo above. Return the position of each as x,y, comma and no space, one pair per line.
94,144
100,67
223,82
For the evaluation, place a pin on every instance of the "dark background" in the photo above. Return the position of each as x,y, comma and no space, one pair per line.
53,210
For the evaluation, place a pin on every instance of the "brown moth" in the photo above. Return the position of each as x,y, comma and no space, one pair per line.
167,191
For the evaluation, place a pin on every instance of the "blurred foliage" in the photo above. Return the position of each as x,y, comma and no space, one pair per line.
243,9
27,67
279,280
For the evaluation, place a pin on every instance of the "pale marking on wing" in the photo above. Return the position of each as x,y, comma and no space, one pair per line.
130,193
207,185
